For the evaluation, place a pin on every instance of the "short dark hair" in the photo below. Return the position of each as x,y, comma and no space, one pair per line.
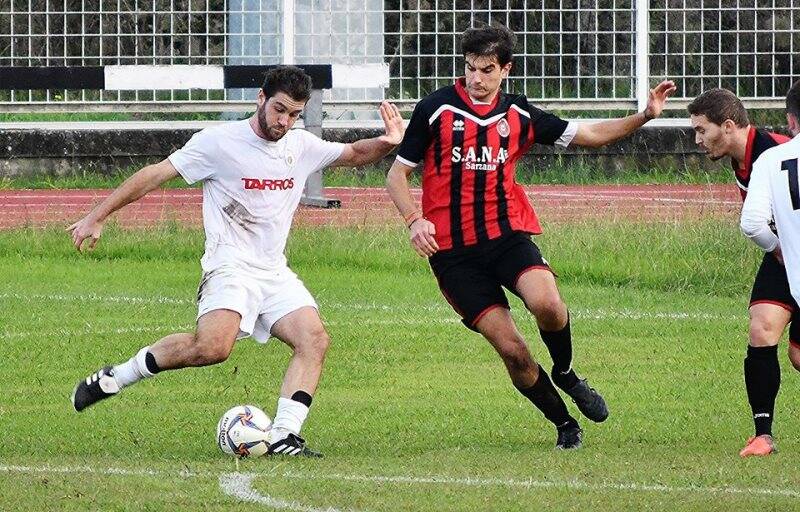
719,105
290,80
793,100
489,40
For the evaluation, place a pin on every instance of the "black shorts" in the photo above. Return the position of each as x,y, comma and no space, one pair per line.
472,278
772,287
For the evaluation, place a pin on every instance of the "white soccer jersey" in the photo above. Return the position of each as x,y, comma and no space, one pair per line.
774,194
251,189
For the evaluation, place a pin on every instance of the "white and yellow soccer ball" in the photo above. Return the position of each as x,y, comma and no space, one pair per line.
243,431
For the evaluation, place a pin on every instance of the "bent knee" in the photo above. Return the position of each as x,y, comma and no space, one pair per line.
210,350
765,332
549,312
315,341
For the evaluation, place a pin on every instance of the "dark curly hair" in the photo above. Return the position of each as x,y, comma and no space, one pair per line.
290,80
719,105
489,40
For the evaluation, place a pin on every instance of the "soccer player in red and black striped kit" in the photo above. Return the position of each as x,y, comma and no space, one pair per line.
476,222
722,129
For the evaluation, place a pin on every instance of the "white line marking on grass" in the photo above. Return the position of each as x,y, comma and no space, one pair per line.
96,298
552,484
633,197
419,480
400,320
240,486
92,332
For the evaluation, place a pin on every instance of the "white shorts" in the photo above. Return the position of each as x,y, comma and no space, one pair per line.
261,297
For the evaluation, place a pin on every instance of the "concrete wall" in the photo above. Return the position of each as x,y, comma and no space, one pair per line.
68,152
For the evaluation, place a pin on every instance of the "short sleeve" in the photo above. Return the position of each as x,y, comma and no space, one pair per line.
193,161
550,129
416,139
318,153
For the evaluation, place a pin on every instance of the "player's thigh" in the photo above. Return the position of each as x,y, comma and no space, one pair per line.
230,289
767,323
771,303
218,328
771,285
521,268
284,296
470,288
302,329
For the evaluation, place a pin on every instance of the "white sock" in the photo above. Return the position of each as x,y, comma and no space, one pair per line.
289,419
132,371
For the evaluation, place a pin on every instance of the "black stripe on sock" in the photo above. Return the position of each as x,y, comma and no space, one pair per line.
302,397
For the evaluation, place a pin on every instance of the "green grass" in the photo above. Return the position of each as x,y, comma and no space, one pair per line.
375,176
407,393
111,116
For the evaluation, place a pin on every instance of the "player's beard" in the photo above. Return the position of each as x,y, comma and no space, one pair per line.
269,133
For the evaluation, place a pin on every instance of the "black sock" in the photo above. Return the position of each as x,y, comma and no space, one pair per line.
150,362
762,378
545,397
559,344
302,397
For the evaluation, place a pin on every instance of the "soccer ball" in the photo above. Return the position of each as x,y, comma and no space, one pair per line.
243,431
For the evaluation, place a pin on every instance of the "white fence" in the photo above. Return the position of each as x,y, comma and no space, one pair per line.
583,54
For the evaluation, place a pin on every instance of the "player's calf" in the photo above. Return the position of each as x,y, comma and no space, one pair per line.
794,354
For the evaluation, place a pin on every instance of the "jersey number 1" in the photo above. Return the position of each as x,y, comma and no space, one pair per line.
794,192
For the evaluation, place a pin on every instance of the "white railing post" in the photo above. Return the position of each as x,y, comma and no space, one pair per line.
314,193
287,32
642,53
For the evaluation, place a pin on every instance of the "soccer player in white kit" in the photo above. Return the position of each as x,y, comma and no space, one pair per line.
774,196
253,172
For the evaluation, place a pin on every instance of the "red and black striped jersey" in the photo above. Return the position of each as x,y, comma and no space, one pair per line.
469,153
758,141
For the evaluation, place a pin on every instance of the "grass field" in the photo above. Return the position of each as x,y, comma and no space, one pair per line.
414,412
375,176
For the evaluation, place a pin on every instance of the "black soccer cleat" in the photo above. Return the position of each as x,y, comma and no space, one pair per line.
589,401
570,437
292,445
95,387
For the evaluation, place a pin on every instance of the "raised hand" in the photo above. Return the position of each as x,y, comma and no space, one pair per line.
658,96
393,124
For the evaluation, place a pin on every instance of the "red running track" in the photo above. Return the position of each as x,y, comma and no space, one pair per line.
372,206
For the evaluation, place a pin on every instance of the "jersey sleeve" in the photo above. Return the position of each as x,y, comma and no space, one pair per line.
550,129
194,160
318,153
757,209
417,137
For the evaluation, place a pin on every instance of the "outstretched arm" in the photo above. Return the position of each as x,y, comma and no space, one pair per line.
367,151
139,184
599,134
